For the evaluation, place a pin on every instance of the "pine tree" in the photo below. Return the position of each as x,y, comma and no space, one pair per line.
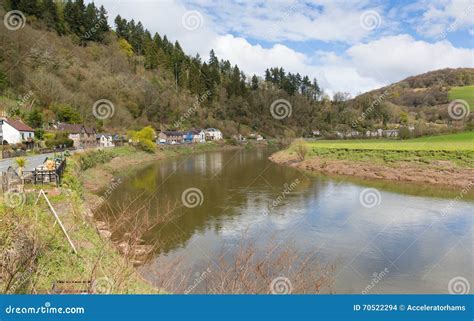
121,27
51,16
255,82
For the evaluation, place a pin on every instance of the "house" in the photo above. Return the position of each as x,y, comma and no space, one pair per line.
105,140
118,140
194,136
352,134
390,133
213,134
16,132
82,136
239,138
374,133
316,132
170,137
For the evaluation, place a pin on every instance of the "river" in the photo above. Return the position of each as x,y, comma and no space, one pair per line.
378,239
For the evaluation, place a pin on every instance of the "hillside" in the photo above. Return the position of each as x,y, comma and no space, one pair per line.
56,69
428,89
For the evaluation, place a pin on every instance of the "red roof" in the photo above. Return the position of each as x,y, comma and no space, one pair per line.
19,125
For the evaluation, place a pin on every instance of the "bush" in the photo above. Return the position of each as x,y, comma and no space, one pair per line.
146,146
300,148
91,159
404,133
143,139
58,139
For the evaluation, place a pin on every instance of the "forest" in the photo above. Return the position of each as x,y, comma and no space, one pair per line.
79,59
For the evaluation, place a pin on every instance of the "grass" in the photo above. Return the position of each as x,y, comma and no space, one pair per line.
29,228
456,148
465,93
453,142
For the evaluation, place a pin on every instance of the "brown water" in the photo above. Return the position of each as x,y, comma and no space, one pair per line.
422,241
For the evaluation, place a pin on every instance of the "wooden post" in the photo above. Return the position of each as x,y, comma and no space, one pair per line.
57,219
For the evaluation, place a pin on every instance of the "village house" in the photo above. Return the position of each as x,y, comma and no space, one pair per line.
82,136
213,134
170,137
374,133
118,140
239,138
391,133
194,136
16,132
105,140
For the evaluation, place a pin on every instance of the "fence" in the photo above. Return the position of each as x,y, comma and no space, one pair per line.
41,175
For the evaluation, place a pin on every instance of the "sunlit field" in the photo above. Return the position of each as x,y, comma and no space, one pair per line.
452,142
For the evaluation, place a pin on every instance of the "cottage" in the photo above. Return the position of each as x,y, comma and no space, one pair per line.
118,140
390,133
170,137
16,132
82,136
213,134
239,138
195,136
374,133
105,140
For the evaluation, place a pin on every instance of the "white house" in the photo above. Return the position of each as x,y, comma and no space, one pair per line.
213,134
15,132
105,140
199,136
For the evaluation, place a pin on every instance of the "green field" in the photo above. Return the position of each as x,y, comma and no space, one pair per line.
453,142
465,93
457,148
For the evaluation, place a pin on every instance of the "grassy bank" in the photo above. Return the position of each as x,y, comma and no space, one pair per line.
35,255
442,160
455,148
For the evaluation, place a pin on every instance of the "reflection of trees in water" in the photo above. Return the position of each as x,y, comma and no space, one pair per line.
229,181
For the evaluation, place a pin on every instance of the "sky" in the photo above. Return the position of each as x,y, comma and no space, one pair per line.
349,46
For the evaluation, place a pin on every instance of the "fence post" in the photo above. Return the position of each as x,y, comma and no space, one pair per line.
57,219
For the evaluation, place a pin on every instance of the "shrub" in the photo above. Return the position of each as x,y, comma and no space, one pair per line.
58,139
300,148
91,159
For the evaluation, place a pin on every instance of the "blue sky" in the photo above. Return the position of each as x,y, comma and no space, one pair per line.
351,46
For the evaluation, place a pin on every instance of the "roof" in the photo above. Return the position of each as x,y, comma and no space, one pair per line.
19,125
102,134
172,133
212,130
194,131
75,128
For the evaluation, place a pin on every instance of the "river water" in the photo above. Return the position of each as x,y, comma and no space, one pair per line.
380,238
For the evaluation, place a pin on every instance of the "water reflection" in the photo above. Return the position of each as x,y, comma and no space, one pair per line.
408,235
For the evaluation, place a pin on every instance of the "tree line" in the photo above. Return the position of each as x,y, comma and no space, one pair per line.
87,22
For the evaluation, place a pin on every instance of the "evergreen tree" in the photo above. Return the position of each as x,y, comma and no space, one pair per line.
254,82
121,27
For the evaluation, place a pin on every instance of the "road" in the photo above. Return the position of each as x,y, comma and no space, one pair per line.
31,162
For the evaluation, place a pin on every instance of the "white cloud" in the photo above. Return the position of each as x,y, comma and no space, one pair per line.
441,17
293,20
358,68
392,58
